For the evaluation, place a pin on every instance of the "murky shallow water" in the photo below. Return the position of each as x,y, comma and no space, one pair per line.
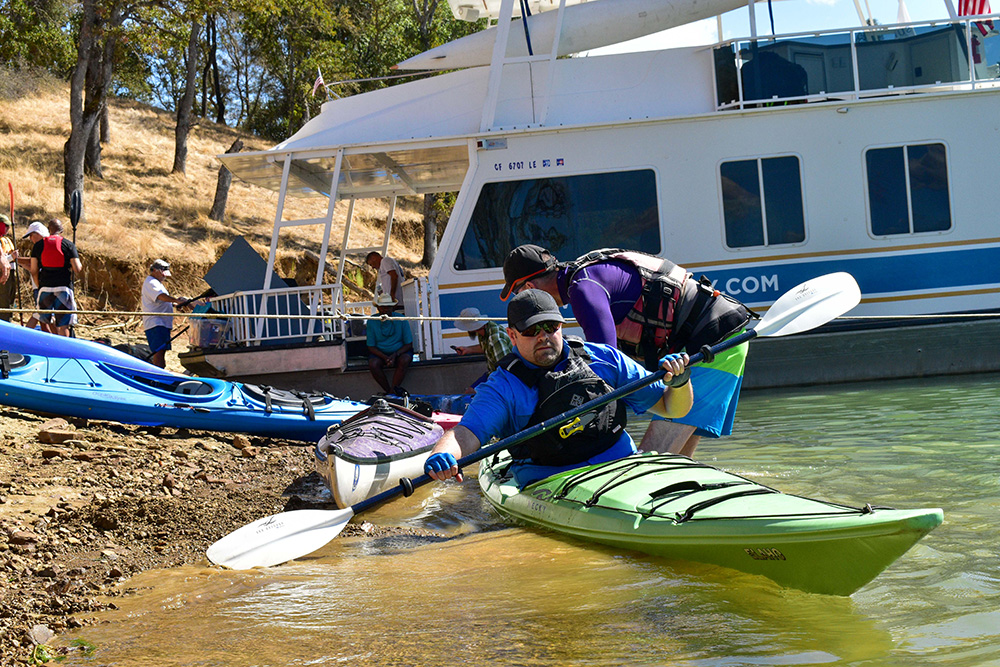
490,594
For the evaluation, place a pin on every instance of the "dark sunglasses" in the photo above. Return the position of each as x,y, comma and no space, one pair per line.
547,327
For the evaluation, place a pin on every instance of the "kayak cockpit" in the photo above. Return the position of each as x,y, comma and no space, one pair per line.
166,384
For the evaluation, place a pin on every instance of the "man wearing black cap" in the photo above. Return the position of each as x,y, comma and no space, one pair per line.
647,306
546,376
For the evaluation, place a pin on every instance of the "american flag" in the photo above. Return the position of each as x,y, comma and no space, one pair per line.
975,8
319,79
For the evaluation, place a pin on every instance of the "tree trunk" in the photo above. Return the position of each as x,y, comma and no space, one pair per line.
106,126
81,126
218,211
100,70
187,102
92,164
430,229
220,100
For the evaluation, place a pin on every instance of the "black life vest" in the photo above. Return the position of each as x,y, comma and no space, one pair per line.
558,391
673,311
52,252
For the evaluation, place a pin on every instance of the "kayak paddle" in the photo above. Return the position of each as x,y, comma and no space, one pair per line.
287,535
75,211
17,274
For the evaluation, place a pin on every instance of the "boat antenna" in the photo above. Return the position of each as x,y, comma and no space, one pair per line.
525,13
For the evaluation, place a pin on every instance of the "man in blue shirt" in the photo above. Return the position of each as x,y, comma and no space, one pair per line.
546,376
390,345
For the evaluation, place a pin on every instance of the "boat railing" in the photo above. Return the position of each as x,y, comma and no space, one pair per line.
416,310
288,315
852,64
313,314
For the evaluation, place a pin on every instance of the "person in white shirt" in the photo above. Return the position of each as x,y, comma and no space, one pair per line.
390,276
157,300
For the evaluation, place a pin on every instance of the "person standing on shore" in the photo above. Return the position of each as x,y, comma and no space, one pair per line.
157,301
36,232
8,274
54,262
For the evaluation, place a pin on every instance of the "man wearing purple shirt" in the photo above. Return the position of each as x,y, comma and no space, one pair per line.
607,289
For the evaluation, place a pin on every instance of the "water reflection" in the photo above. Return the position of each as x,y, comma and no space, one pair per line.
484,593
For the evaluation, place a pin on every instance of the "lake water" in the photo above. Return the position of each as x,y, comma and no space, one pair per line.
485,593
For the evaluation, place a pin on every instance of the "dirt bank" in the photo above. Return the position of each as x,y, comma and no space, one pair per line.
84,505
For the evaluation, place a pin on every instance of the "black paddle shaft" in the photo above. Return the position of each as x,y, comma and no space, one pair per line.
406,485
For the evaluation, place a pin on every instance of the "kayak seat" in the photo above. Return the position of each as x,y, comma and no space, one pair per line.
194,388
9,360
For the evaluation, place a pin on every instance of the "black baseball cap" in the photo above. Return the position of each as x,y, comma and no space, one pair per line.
524,262
531,307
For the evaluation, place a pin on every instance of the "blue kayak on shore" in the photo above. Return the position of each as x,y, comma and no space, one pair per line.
30,341
89,389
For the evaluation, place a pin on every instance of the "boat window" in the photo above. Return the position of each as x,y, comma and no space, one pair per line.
569,215
754,219
908,189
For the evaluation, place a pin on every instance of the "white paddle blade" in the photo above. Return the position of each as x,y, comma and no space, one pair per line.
278,538
810,304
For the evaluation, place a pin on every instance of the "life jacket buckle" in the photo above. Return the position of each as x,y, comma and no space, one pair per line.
576,426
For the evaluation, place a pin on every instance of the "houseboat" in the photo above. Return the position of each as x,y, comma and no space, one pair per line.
757,162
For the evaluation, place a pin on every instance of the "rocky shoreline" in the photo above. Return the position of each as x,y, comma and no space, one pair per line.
84,505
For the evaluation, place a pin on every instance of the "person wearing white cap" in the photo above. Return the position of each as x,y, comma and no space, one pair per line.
493,340
36,232
390,345
54,262
157,301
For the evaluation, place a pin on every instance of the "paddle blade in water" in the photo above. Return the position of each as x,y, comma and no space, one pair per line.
278,538
810,304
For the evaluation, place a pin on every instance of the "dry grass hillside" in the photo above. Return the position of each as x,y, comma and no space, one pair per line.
140,211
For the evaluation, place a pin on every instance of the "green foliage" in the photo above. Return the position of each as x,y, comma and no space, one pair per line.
84,646
269,51
43,654
34,34
385,33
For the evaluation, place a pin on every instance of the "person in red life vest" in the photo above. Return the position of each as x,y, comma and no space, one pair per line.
36,232
647,307
54,262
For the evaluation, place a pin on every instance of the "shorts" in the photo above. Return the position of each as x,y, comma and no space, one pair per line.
716,393
57,298
158,339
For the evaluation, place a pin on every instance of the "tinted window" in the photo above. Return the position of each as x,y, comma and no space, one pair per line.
569,215
745,210
925,207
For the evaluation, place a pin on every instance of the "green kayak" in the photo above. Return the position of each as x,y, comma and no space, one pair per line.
673,507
